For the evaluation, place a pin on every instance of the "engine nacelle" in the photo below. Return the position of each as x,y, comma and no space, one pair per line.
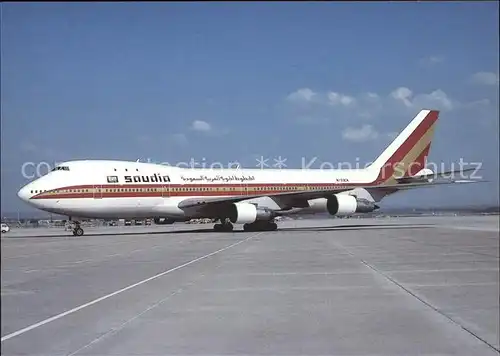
341,205
245,213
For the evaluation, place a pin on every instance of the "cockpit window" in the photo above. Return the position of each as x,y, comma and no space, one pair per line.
60,168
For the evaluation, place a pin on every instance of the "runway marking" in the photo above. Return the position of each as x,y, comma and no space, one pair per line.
444,270
115,330
405,288
430,285
334,273
71,311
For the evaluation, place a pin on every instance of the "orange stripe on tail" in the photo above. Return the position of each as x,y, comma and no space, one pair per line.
408,153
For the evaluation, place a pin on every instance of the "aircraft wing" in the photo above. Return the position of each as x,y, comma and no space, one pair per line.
298,198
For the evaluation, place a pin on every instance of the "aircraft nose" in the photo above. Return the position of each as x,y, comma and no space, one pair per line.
24,193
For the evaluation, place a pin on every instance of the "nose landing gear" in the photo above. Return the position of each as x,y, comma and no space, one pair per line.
77,229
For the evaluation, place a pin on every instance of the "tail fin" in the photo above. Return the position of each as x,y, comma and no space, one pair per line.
407,154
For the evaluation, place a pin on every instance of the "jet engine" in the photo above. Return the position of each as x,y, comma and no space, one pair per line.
341,205
245,213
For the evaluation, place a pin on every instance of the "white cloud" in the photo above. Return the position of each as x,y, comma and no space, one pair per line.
432,60
485,78
364,133
367,105
372,96
403,94
200,125
361,108
302,95
437,99
340,99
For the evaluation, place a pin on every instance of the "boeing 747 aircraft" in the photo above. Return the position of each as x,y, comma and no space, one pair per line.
105,189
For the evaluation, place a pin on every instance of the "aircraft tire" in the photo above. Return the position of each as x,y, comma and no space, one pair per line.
260,226
223,227
78,231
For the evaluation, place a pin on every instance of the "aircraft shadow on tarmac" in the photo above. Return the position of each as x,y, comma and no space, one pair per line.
345,227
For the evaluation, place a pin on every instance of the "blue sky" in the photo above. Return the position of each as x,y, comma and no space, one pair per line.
221,82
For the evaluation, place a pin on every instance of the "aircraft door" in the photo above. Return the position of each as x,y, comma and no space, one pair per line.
244,189
98,190
165,189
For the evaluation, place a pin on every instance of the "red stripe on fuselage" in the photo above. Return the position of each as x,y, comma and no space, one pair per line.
158,190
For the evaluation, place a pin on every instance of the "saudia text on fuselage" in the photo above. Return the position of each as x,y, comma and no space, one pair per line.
155,178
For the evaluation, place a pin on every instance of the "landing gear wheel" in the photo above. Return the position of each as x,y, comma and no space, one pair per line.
227,227
260,226
78,231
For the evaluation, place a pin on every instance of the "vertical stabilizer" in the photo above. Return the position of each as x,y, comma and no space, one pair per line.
407,154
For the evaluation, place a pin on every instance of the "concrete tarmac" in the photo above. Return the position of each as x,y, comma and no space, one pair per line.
393,286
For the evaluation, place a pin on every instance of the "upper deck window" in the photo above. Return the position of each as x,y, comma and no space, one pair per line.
61,168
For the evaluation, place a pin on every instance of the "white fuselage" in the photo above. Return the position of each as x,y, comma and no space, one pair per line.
122,189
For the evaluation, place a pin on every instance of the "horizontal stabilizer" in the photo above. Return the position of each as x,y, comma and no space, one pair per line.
449,174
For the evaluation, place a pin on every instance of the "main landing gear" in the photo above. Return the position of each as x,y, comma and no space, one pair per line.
226,226
261,226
